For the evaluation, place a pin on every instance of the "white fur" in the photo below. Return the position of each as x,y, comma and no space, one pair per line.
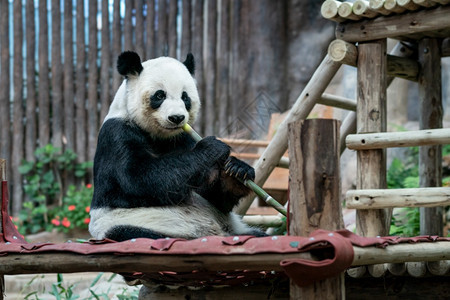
189,221
132,100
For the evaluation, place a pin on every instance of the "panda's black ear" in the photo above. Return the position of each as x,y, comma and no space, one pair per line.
129,63
190,63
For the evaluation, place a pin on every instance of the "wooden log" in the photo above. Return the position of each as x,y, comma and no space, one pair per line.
314,192
377,270
329,10
390,198
398,139
128,26
378,6
345,11
343,52
357,272
56,78
263,220
397,66
186,27
431,20
2,178
18,113
172,28
416,268
139,32
401,253
5,83
117,41
425,3
397,269
302,107
439,268
392,6
337,101
371,117
209,102
161,36
245,143
430,116
408,4
223,67
443,2
362,8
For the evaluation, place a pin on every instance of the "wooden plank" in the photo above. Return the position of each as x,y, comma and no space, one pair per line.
18,110
56,78
5,121
430,116
422,21
161,41
209,56
314,183
30,125
140,31
92,112
300,110
390,198
69,107
172,28
44,83
366,141
105,94
371,117
80,93
117,44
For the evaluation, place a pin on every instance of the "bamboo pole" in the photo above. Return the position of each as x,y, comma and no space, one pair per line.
300,110
248,183
263,220
398,139
390,198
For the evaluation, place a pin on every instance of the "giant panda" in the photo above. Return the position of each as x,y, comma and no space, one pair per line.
153,180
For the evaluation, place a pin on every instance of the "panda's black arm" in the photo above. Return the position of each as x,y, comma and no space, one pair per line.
166,179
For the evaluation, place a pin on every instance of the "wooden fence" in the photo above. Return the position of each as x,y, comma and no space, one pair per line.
58,76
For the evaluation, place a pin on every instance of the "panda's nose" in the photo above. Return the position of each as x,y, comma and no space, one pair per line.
176,119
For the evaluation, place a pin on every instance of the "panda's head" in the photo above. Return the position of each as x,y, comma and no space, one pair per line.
160,94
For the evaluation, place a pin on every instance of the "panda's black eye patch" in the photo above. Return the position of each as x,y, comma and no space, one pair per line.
186,100
157,99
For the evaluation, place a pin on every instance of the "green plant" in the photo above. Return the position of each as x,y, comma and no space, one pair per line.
46,183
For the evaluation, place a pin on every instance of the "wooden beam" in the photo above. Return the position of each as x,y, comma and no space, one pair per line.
390,198
2,178
395,25
347,53
401,253
430,116
314,192
365,141
300,110
337,101
371,117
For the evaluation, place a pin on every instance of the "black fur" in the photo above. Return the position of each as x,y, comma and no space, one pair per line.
122,233
190,63
133,169
129,63
157,99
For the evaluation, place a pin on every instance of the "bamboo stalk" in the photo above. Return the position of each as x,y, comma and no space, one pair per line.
248,183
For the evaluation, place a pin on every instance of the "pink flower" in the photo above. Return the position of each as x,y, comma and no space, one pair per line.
65,222
56,222
71,207
87,220
89,185
88,209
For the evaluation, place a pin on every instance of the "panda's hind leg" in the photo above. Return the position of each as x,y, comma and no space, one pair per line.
238,227
121,233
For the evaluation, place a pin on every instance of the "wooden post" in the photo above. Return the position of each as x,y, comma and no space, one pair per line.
314,192
430,157
371,117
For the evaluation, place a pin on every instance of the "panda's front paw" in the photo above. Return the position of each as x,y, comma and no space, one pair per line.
239,169
213,150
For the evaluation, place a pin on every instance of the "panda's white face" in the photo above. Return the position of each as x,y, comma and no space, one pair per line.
161,99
